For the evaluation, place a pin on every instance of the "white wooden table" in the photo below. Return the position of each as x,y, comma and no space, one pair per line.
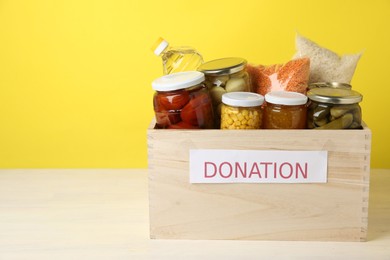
103,214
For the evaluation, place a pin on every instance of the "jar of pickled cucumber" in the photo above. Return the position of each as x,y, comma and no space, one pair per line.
241,110
285,110
223,76
332,108
182,101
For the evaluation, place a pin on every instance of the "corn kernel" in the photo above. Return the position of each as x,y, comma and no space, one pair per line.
240,118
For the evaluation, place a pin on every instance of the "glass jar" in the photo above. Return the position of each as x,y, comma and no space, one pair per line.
285,110
332,108
241,110
182,101
223,76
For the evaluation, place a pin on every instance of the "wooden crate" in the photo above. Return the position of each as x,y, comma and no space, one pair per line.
332,211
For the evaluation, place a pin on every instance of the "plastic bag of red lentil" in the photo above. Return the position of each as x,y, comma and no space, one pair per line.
291,76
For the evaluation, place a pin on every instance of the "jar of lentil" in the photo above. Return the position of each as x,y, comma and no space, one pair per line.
241,110
285,110
223,76
182,101
332,108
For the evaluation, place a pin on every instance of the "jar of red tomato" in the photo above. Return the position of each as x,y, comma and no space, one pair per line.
182,101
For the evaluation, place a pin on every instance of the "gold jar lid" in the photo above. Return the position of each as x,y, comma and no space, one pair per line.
334,95
223,66
329,85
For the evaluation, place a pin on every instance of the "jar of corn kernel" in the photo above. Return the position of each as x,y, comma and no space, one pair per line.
285,110
241,110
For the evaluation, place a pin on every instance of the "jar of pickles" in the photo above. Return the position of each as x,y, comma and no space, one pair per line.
241,110
223,76
332,108
182,101
285,110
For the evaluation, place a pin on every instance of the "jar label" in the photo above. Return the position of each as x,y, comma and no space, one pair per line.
258,166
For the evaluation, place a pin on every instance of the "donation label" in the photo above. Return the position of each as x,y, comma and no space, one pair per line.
258,166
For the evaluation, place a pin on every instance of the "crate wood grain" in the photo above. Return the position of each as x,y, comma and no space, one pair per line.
332,211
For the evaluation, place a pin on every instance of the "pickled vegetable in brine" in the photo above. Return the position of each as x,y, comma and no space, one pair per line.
334,108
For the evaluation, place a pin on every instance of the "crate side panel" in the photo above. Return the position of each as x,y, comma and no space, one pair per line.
332,211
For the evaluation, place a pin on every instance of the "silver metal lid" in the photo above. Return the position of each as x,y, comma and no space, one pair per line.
329,85
334,95
223,66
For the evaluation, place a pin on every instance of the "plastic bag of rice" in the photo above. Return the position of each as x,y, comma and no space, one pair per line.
326,65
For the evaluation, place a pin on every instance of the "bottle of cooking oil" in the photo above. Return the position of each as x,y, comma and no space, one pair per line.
176,59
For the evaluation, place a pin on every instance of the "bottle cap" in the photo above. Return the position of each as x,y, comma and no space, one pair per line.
178,80
159,46
287,98
242,99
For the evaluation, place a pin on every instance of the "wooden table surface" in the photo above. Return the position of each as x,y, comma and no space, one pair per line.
103,214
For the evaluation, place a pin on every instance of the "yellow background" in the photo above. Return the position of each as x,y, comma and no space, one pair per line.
75,76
